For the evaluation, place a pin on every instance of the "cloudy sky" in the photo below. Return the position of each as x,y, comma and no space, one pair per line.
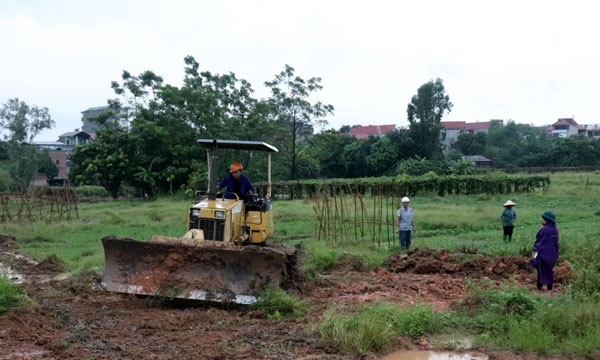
529,61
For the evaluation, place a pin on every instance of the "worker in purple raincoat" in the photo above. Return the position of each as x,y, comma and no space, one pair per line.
545,251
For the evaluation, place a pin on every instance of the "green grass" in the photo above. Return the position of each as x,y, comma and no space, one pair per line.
506,318
277,304
512,318
11,295
371,328
558,326
78,243
322,257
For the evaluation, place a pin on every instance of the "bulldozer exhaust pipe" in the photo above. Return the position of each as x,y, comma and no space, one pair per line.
213,171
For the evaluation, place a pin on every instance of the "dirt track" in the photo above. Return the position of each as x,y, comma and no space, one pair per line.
69,319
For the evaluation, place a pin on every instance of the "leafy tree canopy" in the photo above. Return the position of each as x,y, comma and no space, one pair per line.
22,121
425,112
290,106
105,161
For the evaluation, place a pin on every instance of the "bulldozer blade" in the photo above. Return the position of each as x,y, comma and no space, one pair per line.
210,271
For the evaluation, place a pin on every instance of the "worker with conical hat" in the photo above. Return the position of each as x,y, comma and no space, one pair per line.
508,217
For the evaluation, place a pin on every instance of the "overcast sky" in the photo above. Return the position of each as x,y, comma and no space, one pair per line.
529,61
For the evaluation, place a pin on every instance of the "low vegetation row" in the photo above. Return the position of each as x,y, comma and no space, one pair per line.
493,183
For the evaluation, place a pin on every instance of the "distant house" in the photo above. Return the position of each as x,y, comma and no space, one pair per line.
479,127
451,131
59,153
363,132
90,126
546,129
60,159
479,161
594,132
73,138
565,127
50,145
305,131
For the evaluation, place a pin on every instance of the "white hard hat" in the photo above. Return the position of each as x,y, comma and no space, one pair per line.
405,199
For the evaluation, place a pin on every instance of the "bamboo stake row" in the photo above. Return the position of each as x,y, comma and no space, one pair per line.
47,204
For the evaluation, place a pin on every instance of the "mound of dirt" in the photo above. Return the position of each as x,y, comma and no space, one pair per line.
52,264
7,241
468,264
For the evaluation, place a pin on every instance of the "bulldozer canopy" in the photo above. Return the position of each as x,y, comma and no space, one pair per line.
238,145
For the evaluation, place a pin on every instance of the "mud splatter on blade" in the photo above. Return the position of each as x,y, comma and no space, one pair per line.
211,272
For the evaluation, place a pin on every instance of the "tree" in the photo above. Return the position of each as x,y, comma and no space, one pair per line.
216,104
292,110
382,160
354,159
20,160
345,129
425,113
471,144
104,161
327,148
161,138
462,167
22,165
46,165
517,145
22,121
402,142
136,91
575,151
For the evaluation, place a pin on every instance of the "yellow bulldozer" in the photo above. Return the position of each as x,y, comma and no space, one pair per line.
223,256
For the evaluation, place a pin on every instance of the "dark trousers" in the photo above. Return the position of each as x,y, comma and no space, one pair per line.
545,275
405,238
508,232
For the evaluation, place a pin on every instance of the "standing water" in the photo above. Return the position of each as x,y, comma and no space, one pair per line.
431,355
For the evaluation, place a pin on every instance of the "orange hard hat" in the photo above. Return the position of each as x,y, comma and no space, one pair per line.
235,167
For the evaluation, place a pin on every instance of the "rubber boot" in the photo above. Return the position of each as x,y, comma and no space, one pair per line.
509,238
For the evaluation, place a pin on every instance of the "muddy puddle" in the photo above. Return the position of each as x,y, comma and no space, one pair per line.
10,273
431,355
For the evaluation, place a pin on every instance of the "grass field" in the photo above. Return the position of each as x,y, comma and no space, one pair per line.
450,222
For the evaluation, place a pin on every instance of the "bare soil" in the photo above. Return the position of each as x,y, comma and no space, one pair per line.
72,318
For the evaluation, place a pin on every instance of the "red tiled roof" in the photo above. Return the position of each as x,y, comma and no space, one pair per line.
478,125
565,121
363,132
454,124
